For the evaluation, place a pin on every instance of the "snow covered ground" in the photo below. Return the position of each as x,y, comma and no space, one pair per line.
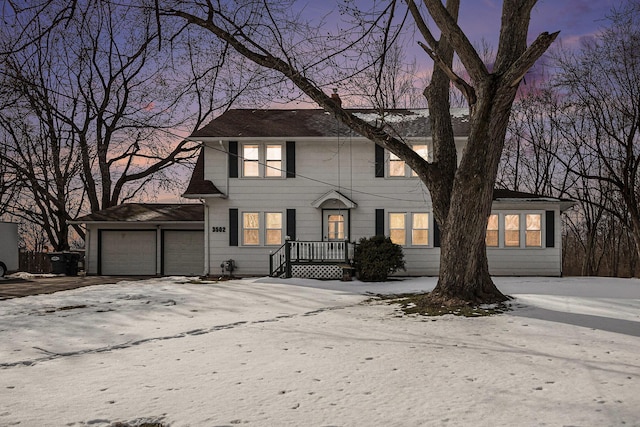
267,352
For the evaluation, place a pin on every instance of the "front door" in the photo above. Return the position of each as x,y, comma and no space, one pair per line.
335,225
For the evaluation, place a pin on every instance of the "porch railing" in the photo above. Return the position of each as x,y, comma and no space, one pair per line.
295,252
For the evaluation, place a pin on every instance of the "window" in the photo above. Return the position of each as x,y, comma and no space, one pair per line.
420,229
533,232
512,230
273,221
274,160
250,228
335,225
253,231
262,160
423,151
398,168
491,239
250,160
397,230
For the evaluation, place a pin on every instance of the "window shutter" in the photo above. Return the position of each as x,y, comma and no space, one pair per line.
233,227
436,234
379,162
379,222
550,224
233,159
291,159
291,223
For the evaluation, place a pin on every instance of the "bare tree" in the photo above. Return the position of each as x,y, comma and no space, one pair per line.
100,108
601,85
265,33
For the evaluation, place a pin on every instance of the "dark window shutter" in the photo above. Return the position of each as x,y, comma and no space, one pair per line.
291,159
233,159
550,234
291,223
379,222
233,227
436,234
379,162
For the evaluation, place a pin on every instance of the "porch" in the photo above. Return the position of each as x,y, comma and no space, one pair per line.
313,260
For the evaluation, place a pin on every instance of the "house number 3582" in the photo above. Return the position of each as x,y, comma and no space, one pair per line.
218,229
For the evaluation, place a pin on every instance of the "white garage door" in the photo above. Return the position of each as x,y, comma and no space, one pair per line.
128,252
183,252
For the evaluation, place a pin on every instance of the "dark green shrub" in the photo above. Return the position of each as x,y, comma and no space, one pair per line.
377,257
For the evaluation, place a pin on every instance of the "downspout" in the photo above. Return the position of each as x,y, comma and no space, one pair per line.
205,272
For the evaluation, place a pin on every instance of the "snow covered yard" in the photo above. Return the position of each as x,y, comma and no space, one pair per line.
269,352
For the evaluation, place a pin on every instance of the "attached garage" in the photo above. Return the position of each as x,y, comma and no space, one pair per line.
127,252
182,252
145,239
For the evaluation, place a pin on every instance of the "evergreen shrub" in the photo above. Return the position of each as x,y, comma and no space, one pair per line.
376,258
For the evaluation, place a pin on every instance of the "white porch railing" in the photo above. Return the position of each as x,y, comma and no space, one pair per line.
298,253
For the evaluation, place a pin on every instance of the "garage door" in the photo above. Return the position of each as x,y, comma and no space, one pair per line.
183,252
128,252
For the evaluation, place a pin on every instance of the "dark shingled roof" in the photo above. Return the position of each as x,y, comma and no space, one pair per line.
147,212
198,185
319,123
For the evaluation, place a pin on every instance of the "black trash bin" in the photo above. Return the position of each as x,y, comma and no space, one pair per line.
64,263
58,263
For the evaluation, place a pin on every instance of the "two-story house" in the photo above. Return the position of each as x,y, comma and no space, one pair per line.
270,177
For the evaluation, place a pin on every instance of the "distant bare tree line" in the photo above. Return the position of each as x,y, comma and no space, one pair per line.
577,136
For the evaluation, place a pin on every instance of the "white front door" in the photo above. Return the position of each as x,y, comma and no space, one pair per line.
335,225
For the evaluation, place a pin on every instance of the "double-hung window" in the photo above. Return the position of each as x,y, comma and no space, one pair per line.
420,229
273,221
512,230
262,160
493,231
533,232
397,228
251,228
258,227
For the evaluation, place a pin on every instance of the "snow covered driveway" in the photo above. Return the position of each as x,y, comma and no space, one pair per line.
264,352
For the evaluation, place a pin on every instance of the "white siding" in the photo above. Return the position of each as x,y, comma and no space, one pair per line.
348,166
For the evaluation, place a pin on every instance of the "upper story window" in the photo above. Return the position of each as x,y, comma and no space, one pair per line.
398,168
262,160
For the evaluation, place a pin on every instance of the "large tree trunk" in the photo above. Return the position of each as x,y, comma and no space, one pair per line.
464,270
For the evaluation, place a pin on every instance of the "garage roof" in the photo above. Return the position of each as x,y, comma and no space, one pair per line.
147,212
